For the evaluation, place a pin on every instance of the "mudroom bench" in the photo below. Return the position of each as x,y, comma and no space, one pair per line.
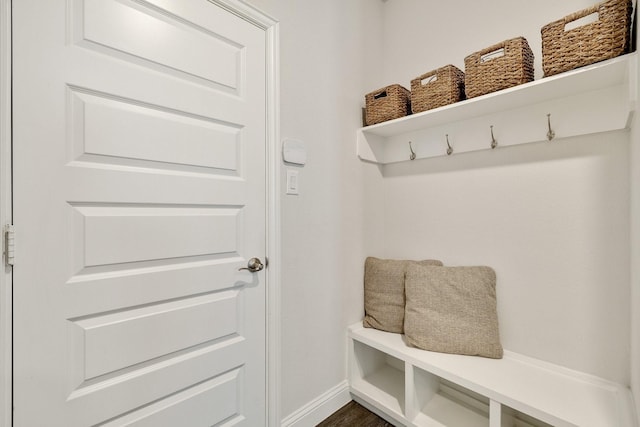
414,387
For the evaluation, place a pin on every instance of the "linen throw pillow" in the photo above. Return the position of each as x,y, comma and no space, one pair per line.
384,292
452,310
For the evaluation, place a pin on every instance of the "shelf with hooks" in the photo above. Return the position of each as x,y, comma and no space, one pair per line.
592,99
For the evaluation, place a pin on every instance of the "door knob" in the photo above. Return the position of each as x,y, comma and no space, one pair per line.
254,265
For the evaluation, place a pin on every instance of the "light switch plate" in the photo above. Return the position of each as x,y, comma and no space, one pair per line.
293,182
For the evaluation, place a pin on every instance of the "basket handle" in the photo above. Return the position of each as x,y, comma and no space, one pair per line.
579,15
379,95
494,54
429,78
488,53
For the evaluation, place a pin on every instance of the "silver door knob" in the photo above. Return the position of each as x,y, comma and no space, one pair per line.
254,265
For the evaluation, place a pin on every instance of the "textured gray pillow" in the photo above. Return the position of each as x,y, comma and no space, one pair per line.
452,310
384,292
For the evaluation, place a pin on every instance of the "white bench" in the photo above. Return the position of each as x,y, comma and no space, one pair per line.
414,387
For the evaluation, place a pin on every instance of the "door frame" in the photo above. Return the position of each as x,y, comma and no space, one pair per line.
6,296
272,329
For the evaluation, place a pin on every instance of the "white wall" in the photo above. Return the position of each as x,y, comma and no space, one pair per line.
635,253
551,218
323,78
635,261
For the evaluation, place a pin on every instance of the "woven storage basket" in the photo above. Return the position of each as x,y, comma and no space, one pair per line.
608,37
487,71
436,88
387,103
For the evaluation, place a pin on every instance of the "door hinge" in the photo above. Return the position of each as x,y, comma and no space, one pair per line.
9,244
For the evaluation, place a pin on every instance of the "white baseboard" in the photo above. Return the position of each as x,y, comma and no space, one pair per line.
320,408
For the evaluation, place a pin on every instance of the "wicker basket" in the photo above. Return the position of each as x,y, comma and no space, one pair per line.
387,103
498,67
436,88
608,37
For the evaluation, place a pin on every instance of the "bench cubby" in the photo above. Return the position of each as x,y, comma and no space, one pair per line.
414,387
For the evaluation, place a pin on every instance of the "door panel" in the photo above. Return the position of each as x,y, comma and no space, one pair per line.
118,235
139,190
116,341
185,48
170,411
163,139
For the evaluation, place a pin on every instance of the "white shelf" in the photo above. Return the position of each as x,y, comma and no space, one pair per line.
545,392
592,99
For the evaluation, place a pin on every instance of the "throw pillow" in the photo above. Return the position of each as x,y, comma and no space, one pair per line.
384,298
452,310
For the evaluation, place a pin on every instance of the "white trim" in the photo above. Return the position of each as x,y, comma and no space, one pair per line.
273,228
247,12
320,408
5,214
271,27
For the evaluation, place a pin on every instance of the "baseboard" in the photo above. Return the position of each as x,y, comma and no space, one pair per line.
320,408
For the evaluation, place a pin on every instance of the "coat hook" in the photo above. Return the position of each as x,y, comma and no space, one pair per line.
494,143
449,149
413,155
550,134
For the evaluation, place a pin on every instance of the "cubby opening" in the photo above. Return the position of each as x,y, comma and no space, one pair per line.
379,376
447,403
512,418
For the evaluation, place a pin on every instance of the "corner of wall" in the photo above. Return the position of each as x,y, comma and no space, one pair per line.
634,178
635,261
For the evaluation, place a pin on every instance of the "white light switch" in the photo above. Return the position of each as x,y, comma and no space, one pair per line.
293,184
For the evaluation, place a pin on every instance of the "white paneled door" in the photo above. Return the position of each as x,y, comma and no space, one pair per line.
139,192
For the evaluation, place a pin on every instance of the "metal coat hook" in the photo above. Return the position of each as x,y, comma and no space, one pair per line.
449,149
550,134
494,143
413,155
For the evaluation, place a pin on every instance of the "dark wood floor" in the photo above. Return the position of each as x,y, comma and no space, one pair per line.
354,415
